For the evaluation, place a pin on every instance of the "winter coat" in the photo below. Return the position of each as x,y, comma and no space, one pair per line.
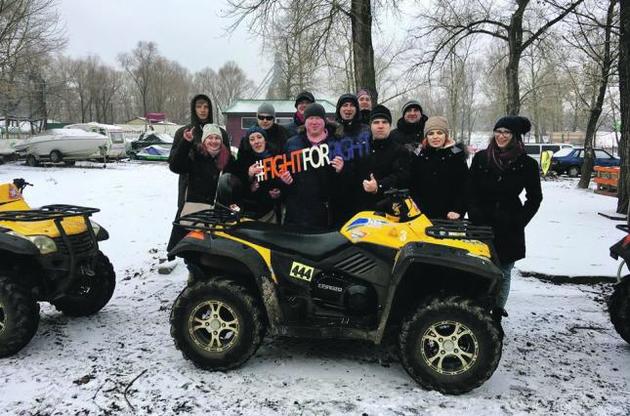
255,203
364,116
409,135
292,129
389,163
494,200
177,233
307,197
438,181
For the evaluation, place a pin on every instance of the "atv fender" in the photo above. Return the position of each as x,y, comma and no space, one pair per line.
242,255
17,245
438,255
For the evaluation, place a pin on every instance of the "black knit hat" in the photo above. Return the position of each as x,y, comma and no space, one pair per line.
314,110
304,96
516,124
380,111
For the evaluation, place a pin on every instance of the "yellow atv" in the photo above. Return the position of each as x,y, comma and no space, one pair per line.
435,283
47,254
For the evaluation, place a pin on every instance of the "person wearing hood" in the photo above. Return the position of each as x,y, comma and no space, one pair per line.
257,199
307,194
277,135
409,130
387,165
498,175
366,100
302,100
203,162
353,134
439,173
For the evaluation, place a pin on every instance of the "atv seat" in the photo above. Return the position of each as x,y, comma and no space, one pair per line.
315,245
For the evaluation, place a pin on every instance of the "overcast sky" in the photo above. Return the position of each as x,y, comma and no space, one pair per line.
191,32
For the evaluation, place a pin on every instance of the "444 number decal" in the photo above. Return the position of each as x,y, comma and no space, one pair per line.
301,271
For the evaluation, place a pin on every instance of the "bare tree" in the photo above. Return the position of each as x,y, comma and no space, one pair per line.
449,22
140,65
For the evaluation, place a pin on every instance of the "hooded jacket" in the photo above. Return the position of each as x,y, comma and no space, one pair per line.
177,233
409,135
438,180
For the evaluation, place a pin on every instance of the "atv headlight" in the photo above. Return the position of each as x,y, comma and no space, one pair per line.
44,244
96,227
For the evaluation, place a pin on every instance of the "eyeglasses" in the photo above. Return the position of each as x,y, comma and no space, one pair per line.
268,118
505,133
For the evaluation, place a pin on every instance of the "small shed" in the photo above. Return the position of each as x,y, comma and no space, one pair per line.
241,115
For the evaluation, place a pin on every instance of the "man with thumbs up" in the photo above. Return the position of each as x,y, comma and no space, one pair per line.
387,165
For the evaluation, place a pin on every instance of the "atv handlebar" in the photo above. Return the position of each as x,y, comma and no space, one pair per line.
20,183
623,227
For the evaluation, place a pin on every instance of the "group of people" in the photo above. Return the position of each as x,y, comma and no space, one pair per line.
418,154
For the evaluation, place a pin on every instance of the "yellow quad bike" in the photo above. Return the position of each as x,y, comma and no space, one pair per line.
47,254
433,283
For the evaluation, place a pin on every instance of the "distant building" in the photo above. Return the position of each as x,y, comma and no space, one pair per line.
575,138
242,115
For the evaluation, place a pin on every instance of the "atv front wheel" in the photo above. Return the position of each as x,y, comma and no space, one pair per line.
19,317
91,292
216,324
619,308
450,345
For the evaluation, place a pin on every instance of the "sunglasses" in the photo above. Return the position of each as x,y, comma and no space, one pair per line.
268,118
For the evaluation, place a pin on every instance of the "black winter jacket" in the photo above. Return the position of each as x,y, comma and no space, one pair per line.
438,181
407,134
494,200
307,198
389,163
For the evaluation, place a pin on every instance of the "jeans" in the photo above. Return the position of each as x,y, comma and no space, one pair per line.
506,269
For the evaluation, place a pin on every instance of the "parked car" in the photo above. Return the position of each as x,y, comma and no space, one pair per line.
570,161
535,149
148,139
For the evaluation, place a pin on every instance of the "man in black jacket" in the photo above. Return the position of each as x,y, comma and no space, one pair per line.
410,127
200,115
302,100
266,119
387,165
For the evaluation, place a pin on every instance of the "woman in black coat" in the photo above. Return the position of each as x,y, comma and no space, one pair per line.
203,164
498,175
257,198
439,173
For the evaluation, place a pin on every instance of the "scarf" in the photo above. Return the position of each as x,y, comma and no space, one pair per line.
499,158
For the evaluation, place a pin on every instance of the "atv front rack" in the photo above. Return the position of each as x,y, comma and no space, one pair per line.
461,230
218,218
47,212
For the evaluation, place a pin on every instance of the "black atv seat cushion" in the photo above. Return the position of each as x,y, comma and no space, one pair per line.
315,245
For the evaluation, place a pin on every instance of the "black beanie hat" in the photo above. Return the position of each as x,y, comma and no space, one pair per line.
304,95
380,111
516,124
315,110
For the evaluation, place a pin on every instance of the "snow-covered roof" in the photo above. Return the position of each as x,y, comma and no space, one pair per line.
95,125
72,133
281,106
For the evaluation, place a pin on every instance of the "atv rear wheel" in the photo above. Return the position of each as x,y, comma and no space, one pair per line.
450,345
619,308
216,324
90,293
19,317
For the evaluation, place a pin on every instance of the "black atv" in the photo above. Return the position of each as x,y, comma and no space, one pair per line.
47,254
619,303
435,283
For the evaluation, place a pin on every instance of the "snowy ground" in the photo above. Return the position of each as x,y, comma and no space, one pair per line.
561,355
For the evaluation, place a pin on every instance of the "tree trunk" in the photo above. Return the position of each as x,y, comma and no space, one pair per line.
624,97
362,49
515,50
596,109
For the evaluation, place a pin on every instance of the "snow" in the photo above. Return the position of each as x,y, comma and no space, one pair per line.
561,354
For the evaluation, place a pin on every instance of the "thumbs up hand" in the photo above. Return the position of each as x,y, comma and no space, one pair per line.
370,186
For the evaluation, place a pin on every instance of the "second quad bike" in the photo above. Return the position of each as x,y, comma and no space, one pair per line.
432,283
619,303
47,254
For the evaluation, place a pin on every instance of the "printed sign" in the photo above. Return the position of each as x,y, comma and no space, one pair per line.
301,271
311,158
